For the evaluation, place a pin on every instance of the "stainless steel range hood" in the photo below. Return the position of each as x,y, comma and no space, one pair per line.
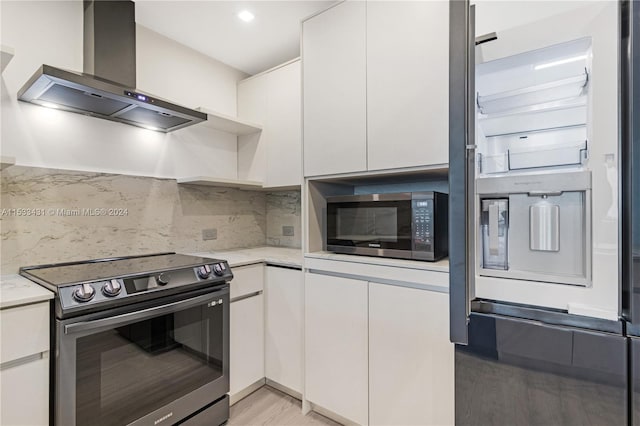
106,89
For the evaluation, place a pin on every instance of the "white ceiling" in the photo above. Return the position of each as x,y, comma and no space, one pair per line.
213,28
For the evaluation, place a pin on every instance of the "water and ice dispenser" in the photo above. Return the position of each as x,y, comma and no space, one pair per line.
533,186
494,219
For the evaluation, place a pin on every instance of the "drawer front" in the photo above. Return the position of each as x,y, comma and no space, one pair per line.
25,331
247,280
25,394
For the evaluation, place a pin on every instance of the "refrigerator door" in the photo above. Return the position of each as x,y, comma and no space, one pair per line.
521,372
461,166
635,380
630,161
525,102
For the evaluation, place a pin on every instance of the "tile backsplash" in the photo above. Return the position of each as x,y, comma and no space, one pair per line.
283,210
58,215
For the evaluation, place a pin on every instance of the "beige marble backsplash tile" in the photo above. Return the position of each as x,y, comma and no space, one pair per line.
283,209
132,215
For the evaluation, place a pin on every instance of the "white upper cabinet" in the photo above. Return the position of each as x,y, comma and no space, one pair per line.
375,78
407,83
284,148
334,90
252,106
252,99
274,155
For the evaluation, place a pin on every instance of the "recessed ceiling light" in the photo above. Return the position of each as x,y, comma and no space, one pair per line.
49,105
246,16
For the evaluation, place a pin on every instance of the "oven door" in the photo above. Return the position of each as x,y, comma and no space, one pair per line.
158,361
373,225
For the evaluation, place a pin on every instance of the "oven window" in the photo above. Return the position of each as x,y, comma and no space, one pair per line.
129,371
367,224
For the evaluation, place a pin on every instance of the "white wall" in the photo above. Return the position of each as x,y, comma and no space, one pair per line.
50,32
183,75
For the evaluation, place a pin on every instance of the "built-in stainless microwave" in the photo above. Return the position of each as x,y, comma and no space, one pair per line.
406,225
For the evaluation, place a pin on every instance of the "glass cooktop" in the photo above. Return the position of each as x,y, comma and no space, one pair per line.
102,269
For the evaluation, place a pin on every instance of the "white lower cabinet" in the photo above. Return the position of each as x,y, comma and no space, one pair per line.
378,354
246,341
283,327
336,351
25,393
411,361
24,365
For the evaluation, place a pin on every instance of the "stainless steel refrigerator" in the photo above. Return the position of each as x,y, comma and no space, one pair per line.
544,175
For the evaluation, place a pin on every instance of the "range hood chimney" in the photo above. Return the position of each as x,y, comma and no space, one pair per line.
106,89
110,40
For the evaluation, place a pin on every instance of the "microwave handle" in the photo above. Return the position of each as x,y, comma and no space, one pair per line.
462,152
110,322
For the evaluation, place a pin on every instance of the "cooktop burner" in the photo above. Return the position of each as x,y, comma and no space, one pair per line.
93,285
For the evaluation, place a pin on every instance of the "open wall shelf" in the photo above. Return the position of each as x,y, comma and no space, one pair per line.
229,124
226,183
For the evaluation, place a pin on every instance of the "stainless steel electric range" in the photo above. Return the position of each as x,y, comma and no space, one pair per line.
139,340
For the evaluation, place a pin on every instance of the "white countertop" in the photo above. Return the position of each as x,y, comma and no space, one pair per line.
425,275
439,266
280,256
283,256
16,290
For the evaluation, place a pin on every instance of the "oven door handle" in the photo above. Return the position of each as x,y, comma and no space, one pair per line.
143,314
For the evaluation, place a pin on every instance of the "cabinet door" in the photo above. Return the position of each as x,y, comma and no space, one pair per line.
246,343
334,90
336,353
24,393
283,327
253,107
407,83
252,99
411,368
283,124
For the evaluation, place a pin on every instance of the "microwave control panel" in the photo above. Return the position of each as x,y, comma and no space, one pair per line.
422,224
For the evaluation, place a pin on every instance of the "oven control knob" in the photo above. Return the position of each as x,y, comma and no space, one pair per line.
84,293
111,288
204,271
163,279
217,269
